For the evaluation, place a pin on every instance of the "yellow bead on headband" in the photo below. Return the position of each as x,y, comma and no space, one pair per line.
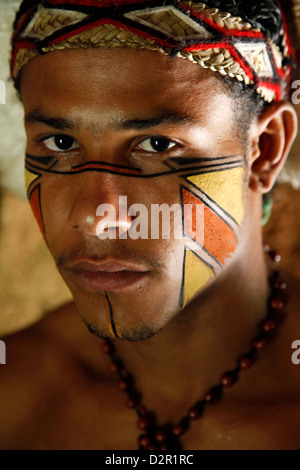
216,40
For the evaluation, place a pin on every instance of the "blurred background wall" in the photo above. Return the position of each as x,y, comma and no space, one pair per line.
29,283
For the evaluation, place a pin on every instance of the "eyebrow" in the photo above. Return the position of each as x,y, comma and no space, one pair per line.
158,120
38,116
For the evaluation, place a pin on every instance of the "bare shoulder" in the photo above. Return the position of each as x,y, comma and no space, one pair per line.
59,334
42,364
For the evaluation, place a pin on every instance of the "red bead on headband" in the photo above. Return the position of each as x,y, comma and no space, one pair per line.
213,39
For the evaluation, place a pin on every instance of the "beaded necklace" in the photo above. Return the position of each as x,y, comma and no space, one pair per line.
167,437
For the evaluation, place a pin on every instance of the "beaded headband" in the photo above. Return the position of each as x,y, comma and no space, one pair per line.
216,40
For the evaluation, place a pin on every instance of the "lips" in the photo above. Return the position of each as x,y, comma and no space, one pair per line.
107,275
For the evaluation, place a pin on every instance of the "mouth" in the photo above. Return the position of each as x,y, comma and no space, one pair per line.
107,275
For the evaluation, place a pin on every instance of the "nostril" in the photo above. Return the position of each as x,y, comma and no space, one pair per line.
86,224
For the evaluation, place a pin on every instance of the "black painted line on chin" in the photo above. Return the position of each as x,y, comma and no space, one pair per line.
111,316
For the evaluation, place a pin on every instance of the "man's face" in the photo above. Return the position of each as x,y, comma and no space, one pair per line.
105,124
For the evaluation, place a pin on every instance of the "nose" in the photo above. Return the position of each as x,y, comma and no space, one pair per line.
99,208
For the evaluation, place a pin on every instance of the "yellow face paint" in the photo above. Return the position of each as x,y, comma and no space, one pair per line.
220,193
225,189
29,179
196,275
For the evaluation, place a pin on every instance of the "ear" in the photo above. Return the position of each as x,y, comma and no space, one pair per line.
272,136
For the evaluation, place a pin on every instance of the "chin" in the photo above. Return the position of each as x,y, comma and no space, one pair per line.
139,333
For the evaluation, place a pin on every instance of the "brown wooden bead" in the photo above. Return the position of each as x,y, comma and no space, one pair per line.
260,344
268,326
113,366
245,362
208,396
105,348
177,430
228,380
142,423
142,410
194,413
213,395
122,384
131,403
276,304
160,436
144,441
279,284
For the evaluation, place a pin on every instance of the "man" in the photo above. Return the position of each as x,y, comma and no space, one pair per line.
155,103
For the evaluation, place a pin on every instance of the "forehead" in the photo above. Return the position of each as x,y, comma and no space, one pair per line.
120,82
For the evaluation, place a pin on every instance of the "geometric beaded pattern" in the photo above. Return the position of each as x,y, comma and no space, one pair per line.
213,39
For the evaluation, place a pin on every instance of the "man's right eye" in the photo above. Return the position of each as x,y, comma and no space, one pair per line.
60,143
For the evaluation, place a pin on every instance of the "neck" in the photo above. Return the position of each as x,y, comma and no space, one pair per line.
206,338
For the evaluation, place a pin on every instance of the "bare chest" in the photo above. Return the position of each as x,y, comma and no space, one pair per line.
73,422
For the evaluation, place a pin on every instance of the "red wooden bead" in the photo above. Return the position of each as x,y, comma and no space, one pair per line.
268,326
142,423
177,430
276,304
144,441
122,384
113,366
245,362
105,348
160,436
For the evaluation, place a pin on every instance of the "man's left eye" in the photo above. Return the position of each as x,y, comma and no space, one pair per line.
156,144
60,143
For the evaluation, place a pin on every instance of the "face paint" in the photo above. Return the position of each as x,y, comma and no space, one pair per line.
220,191
214,184
33,190
111,318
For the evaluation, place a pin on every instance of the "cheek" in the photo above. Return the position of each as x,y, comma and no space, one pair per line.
218,196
